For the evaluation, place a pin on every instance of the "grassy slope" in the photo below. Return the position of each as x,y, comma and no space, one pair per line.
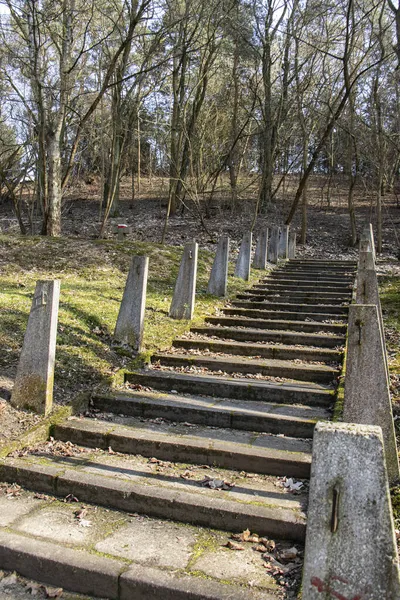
390,298
93,275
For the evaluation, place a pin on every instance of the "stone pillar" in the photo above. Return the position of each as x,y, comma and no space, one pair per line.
350,550
218,282
130,323
243,262
182,305
292,244
273,245
283,245
260,256
33,388
366,395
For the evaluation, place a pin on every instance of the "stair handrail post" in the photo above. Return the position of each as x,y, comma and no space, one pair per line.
183,301
129,327
218,282
34,382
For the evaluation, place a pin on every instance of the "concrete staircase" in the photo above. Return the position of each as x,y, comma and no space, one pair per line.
210,434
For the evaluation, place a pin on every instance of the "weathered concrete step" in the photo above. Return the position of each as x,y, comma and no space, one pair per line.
306,277
305,284
295,421
115,578
293,307
293,297
311,394
273,315
339,269
131,486
310,287
238,450
270,368
322,261
315,292
275,323
311,275
265,351
285,337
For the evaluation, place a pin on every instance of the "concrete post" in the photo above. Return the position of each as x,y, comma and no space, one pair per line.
182,305
243,262
218,282
33,388
350,550
273,245
283,246
292,244
366,396
260,256
130,323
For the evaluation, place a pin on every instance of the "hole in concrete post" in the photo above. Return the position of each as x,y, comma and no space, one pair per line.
335,510
359,324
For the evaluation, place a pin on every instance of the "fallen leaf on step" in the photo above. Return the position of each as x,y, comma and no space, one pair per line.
269,544
85,523
71,498
53,592
9,580
233,545
216,484
33,587
79,514
288,555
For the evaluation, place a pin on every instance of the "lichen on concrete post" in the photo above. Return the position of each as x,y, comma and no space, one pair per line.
182,305
130,323
218,282
292,244
283,244
350,547
367,396
273,245
33,388
261,252
243,262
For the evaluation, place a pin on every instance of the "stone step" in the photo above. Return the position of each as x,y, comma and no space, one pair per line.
293,307
316,292
299,268
294,286
251,334
275,323
295,421
304,284
129,484
280,352
270,368
279,315
228,449
120,569
344,278
322,261
310,394
304,298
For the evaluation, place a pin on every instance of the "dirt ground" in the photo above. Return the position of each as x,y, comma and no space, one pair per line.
328,223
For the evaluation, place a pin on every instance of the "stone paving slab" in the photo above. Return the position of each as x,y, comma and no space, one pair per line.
113,550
